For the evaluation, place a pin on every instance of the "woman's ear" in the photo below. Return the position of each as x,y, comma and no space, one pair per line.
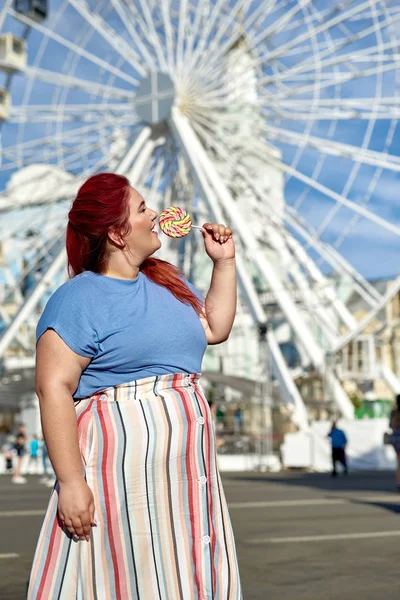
115,238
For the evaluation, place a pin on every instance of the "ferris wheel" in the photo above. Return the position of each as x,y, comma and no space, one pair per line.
279,117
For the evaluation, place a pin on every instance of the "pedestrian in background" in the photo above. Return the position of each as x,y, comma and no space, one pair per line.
33,454
395,437
20,449
238,421
8,453
339,442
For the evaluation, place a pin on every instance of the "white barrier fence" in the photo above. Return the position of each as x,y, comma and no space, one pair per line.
310,450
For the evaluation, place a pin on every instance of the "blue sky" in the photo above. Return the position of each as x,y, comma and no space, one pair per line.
371,249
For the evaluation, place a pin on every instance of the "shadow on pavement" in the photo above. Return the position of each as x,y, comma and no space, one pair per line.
370,481
391,507
365,481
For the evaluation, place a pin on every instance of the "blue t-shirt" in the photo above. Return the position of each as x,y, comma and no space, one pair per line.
338,438
131,329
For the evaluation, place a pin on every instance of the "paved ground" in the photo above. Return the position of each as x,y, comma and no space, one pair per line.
299,536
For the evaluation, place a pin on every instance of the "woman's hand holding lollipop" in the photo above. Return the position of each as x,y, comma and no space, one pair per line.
218,242
176,222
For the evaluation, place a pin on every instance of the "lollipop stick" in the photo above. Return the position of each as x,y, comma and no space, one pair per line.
196,227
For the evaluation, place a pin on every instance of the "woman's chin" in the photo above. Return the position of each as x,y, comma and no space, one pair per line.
156,247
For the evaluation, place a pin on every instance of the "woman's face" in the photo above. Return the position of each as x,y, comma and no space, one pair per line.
143,240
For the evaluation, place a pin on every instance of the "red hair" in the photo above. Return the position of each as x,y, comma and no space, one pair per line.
102,204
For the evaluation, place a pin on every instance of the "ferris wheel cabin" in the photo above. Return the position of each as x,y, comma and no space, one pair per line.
34,9
13,53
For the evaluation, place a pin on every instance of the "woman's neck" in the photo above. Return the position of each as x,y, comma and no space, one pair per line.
119,268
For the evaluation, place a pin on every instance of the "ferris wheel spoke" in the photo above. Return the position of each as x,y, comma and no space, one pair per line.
365,55
298,284
156,180
339,80
380,11
276,113
208,56
383,107
91,87
332,257
66,112
324,288
65,136
370,190
228,23
153,35
303,49
141,166
192,35
135,19
259,14
324,80
126,18
277,26
74,161
67,156
182,25
302,20
75,48
4,11
96,167
168,34
109,35
338,198
30,158
340,17
99,138
208,26
333,50
326,146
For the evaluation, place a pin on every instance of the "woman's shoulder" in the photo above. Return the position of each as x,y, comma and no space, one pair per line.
72,311
74,287
76,295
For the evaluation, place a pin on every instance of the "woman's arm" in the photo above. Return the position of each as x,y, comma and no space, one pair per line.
58,370
220,302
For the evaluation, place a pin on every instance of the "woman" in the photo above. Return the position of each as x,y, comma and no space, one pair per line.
138,510
395,426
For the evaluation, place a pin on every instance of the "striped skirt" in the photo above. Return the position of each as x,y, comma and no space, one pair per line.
163,529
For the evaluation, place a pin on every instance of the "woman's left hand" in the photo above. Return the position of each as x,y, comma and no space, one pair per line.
218,242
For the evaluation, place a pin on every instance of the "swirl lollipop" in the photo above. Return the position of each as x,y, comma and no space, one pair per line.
175,222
